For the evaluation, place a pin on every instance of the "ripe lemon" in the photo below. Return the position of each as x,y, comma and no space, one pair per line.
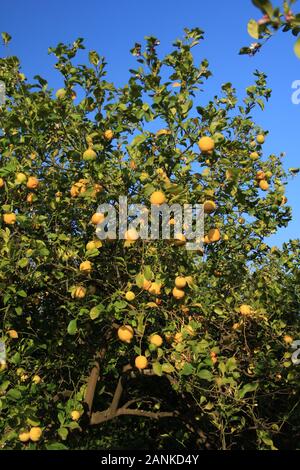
89,155
155,288
206,144
264,185
10,218
125,333
74,191
75,415
158,197
24,436
209,207
86,266
20,178
178,337
32,182
214,235
156,340
36,379
260,139
180,282
93,244
130,296
141,362
260,175
245,310
131,234
35,434
178,293
61,93
2,182
254,156
13,334
146,284
97,218
288,339
79,292
108,134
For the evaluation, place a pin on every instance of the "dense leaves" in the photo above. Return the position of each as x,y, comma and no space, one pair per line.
224,378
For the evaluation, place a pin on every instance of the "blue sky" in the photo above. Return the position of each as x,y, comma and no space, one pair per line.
113,27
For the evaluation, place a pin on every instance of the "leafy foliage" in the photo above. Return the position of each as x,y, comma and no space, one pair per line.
273,20
225,380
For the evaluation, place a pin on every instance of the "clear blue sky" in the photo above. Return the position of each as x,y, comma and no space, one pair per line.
112,27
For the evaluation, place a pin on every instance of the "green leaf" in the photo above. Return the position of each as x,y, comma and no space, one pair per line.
139,139
297,48
72,327
148,274
167,368
231,364
157,368
21,293
14,394
56,446
265,6
23,262
94,58
63,433
139,280
96,311
6,38
253,30
205,375
251,387
187,369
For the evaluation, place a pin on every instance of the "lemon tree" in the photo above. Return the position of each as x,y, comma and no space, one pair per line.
142,342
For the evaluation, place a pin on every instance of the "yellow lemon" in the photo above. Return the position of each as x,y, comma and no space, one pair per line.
260,139
13,334
125,333
178,293
245,310
156,340
108,134
129,296
141,362
89,154
24,436
264,185
32,182
9,218
214,235
180,282
157,198
206,144
209,207
86,266
35,434
79,292
97,218
75,415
